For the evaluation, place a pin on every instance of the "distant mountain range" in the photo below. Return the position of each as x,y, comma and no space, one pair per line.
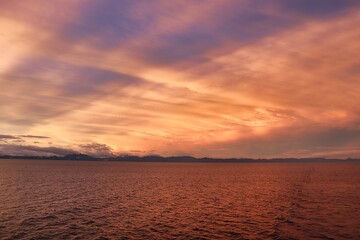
129,158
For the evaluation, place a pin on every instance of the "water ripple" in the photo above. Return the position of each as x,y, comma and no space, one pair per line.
107,200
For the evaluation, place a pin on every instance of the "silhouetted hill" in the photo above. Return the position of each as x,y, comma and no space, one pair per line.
130,158
78,156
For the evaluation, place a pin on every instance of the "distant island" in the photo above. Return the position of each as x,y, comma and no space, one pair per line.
154,158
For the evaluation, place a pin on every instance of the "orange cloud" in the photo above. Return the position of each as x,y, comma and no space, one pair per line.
233,98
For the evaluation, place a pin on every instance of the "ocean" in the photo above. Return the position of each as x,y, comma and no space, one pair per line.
43,199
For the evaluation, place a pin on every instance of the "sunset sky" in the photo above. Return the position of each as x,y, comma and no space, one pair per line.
222,78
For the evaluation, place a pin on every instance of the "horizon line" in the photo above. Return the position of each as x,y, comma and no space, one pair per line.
184,158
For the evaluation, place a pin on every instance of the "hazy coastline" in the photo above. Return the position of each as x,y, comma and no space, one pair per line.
129,158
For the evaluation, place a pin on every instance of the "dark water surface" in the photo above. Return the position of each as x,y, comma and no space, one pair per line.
114,200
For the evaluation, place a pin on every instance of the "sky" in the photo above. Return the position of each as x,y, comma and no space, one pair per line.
206,78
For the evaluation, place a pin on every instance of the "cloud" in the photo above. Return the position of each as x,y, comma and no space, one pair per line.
97,149
317,8
32,136
29,150
8,137
228,78
292,141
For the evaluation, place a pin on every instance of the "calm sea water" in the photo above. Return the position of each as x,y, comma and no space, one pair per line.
114,200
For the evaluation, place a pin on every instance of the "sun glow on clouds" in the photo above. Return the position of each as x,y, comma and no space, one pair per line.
224,79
